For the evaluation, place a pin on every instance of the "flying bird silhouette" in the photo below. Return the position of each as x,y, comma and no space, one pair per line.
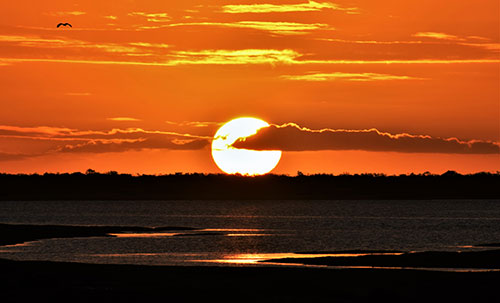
64,24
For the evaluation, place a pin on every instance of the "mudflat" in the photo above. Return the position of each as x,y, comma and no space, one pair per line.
24,281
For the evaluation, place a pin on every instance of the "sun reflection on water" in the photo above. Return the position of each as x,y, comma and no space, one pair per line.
256,258
143,235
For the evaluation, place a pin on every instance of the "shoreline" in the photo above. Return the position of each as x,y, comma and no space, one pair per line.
78,282
394,281
12,234
487,255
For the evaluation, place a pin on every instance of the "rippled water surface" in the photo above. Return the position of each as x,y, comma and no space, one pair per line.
244,232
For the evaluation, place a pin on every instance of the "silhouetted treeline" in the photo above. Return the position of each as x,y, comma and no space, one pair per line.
114,186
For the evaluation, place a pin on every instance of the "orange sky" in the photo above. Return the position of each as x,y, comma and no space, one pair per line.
142,86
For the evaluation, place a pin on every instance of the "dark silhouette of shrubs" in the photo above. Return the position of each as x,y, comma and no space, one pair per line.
114,186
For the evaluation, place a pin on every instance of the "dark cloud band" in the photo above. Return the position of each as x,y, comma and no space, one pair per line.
291,137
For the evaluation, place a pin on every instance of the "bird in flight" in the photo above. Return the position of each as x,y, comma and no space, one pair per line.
64,24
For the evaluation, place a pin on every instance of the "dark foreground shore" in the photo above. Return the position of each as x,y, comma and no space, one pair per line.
43,281
72,282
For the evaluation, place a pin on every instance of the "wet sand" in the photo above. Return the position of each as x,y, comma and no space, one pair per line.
11,234
487,259
40,281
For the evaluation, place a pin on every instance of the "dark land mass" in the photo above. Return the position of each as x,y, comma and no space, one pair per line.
488,259
30,281
351,251
488,245
18,233
114,186
43,281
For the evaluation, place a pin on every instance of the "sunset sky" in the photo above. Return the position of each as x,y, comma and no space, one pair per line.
347,86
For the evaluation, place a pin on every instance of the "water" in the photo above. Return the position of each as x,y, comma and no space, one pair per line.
243,232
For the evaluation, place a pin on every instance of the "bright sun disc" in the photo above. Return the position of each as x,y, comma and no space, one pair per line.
232,160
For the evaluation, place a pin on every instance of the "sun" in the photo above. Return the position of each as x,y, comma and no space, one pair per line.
232,160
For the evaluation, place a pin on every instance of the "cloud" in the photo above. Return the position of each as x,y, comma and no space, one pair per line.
152,17
472,41
283,8
292,137
245,56
68,140
127,145
466,41
371,41
121,119
317,77
78,94
39,42
119,49
76,134
13,156
111,17
435,35
282,28
73,13
161,54
195,123
486,46
149,45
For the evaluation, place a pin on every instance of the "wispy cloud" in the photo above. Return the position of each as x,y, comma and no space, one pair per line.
369,41
474,41
195,123
78,94
123,119
259,56
14,156
96,141
284,8
36,41
292,137
245,56
346,77
70,13
111,17
435,35
127,49
282,28
150,45
152,17
486,46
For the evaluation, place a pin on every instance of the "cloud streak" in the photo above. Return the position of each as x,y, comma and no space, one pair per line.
441,36
73,13
194,123
123,119
152,17
235,57
244,57
292,137
339,76
281,28
310,6
67,140
38,42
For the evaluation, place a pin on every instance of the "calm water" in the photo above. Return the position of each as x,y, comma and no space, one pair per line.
235,232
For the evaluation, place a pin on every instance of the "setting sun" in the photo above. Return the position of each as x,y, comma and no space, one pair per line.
232,160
